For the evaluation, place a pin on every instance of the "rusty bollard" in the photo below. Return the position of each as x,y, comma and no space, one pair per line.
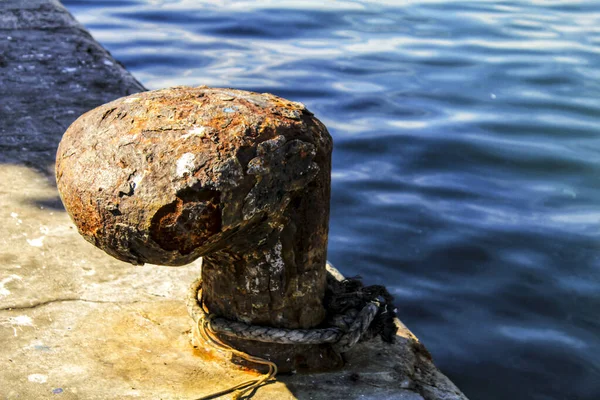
239,178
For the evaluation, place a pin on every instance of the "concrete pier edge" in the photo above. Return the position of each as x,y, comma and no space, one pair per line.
77,324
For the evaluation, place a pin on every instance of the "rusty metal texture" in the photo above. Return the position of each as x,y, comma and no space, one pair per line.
162,176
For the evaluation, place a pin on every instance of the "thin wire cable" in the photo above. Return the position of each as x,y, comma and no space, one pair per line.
204,329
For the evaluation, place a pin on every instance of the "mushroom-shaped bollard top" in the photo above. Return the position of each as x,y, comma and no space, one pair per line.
240,178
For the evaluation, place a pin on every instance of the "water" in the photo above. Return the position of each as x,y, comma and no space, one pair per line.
466,170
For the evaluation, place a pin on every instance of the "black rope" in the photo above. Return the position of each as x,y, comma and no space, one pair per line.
351,294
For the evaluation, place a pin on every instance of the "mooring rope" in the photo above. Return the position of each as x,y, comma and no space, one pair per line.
358,312
348,329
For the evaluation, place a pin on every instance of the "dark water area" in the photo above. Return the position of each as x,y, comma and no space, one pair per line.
466,170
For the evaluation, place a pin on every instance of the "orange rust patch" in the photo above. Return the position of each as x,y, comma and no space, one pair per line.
186,223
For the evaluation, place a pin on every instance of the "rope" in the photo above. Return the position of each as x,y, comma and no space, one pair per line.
346,333
355,312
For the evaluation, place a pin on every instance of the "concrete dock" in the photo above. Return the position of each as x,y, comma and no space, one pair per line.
78,324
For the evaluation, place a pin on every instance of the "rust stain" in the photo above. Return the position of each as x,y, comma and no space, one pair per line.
139,343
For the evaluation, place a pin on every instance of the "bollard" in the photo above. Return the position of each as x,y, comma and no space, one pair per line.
239,178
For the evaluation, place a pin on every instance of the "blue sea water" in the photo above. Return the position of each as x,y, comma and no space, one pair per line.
466,171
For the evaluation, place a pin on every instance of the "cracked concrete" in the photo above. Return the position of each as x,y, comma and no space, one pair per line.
77,324
44,303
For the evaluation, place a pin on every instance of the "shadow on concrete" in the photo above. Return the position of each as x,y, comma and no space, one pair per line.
53,204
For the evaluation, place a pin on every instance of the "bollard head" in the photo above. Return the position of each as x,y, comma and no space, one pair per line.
167,176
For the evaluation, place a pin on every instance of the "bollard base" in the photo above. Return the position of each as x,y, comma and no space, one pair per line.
289,358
